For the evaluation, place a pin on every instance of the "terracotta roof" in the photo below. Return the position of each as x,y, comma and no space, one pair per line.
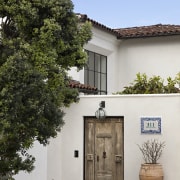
84,17
149,31
136,32
82,87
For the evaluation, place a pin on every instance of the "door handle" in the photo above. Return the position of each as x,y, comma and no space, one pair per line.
90,157
104,155
97,158
118,158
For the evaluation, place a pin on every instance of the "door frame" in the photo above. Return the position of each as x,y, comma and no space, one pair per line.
95,119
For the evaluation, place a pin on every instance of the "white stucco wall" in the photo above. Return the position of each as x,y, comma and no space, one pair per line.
106,44
153,56
61,161
40,171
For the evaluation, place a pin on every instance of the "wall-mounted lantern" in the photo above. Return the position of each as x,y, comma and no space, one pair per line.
101,113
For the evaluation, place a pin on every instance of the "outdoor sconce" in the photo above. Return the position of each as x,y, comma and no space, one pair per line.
101,113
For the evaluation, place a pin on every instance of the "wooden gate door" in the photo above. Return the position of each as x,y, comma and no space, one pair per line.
104,149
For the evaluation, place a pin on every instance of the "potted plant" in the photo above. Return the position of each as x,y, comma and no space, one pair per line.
152,151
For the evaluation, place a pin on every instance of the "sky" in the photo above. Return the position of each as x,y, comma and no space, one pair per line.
130,13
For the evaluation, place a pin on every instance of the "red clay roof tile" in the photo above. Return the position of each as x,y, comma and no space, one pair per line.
149,31
137,32
82,87
84,17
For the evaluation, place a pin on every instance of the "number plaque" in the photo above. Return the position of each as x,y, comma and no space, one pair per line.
151,125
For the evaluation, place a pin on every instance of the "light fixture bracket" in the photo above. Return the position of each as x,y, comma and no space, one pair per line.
101,113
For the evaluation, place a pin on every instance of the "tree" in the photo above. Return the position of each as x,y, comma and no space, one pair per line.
154,85
40,40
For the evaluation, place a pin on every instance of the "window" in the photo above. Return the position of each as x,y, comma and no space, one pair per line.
95,72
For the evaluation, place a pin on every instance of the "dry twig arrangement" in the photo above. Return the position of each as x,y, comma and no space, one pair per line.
152,150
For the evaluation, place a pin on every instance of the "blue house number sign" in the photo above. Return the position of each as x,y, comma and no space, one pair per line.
151,125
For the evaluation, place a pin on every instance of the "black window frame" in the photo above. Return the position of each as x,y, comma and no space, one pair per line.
97,73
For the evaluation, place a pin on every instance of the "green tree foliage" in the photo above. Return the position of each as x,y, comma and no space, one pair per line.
154,85
40,40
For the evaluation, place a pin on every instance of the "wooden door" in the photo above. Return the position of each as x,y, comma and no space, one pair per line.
104,149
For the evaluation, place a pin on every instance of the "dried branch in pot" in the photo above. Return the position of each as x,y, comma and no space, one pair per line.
152,150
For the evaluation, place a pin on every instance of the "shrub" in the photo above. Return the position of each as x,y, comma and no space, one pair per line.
154,85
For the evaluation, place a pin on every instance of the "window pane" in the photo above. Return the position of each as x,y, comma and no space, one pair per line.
97,62
91,61
97,80
85,76
103,93
103,82
91,78
103,64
